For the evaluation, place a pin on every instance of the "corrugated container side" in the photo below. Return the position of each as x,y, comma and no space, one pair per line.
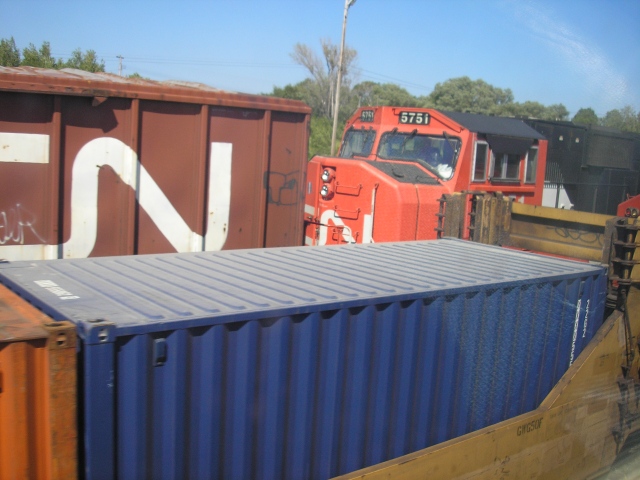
309,362
38,432
99,166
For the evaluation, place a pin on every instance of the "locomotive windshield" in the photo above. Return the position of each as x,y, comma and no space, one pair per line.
357,143
436,153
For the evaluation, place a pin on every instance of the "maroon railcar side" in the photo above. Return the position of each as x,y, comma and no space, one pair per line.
96,165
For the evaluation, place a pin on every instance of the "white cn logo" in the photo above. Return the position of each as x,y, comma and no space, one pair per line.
106,151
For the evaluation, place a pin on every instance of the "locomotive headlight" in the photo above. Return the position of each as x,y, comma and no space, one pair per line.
327,175
326,191
632,212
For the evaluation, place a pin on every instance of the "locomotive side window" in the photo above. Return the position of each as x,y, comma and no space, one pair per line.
480,162
507,156
531,165
506,166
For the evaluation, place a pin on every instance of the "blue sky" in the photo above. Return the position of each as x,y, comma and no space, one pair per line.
581,53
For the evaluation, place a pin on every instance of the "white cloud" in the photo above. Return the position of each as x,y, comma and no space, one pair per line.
608,88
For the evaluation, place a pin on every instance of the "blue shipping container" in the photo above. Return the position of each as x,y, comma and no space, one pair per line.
308,362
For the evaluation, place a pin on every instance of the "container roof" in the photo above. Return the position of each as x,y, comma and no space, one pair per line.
69,81
152,292
490,125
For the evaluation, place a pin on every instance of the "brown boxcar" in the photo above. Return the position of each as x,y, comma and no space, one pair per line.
38,432
93,164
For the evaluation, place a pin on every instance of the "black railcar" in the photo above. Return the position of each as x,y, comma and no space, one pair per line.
589,168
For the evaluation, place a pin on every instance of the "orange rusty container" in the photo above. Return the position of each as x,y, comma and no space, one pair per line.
38,427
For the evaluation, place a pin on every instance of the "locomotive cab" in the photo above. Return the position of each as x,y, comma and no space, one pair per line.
396,163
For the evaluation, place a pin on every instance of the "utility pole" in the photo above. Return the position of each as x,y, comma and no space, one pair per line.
120,66
336,108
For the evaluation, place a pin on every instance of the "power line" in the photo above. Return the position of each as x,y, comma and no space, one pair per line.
170,61
240,64
370,75
396,80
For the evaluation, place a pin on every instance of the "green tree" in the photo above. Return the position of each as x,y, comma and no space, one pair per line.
320,136
556,112
532,110
586,116
137,75
321,126
526,109
42,57
84,61
305,91
465,95
458,94
371,93
32,57
625,119
320,90
293,92
9,53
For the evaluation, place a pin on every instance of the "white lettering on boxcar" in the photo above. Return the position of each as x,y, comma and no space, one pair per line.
113,153
24,148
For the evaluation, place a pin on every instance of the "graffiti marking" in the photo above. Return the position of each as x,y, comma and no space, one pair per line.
14,222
